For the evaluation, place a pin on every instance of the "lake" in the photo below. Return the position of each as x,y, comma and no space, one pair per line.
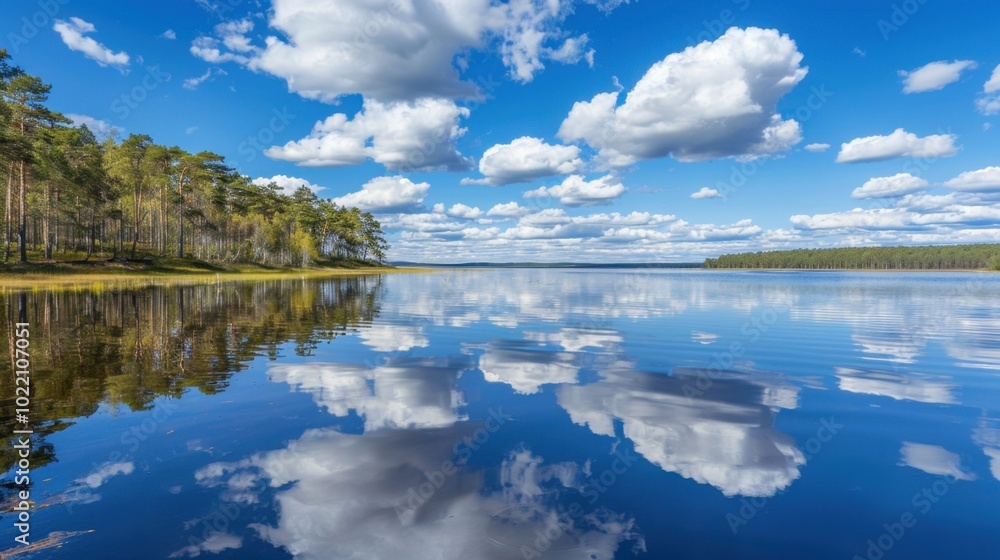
495,414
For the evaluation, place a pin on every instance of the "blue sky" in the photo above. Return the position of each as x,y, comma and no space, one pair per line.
559,130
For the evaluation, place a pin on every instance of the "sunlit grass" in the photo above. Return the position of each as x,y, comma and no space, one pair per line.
98,274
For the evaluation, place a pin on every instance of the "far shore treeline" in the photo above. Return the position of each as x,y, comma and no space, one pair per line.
69,195
953,257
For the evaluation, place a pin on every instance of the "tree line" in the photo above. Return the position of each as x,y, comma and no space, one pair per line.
71,195
955,257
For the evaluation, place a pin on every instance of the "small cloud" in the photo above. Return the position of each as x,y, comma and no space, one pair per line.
986,126
859,52
897,185
817,148
387,194
981,180
72,33
97,478
934,76
706,192
215,543
576,191
97,126
898,144
288,184
193,83
169,34
191,130
989,102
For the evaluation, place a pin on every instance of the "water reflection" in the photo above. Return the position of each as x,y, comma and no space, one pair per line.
398,494
934,459
716,430
899,386
125,348
403,393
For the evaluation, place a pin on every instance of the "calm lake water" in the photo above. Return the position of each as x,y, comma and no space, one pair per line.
512,414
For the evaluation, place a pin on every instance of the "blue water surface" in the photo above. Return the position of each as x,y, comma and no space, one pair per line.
557,414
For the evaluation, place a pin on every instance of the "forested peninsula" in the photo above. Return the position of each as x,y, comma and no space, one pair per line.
73,198
951,257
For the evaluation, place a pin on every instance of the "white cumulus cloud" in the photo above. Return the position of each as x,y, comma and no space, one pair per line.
898,144
818,148
97,126
507,210
386,194
934,76
989,102
982,180
402,50
717,99
706,192
288,184
73,34
526,159
897,185
465,212
577,191
401,135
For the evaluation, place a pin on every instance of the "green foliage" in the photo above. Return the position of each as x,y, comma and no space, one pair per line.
134,198
955,257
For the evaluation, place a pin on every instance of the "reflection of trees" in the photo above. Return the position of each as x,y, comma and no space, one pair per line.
126,347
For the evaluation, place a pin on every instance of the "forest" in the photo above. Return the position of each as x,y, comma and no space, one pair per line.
69,195
953,257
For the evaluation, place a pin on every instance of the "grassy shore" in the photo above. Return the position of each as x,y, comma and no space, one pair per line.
49,274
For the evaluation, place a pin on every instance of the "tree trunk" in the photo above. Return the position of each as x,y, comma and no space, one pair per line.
9,213
138,213
180,215
22,223
46,229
